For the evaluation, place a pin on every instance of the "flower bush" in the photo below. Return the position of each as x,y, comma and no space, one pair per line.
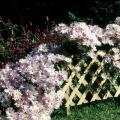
31,86
93,38
89,40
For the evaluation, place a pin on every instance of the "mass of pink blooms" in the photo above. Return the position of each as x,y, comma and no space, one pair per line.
31,82
93,36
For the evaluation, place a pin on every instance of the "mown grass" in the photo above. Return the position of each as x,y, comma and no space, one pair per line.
99,110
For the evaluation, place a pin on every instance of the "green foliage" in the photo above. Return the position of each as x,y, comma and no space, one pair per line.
112,72
72,17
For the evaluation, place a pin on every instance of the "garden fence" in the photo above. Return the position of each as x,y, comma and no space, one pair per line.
88,86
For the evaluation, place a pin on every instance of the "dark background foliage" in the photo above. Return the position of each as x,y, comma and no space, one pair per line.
99,12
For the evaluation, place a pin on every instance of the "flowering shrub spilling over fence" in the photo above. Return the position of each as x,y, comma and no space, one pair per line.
93,38
94,73
34,86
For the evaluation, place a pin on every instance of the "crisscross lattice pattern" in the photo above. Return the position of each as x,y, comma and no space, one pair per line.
87,85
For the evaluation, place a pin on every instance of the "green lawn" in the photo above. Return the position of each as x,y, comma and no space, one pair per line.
100,110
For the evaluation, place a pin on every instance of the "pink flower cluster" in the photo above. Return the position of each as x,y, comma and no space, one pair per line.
82,33
93,37
31,83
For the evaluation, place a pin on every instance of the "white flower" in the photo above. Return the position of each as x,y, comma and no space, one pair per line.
43,48
117,21
115,50
112,32
96,30
92,54
108,58
64,74
101,53
17,95
11,115
62,28
116,64
116,57
51,57
9,91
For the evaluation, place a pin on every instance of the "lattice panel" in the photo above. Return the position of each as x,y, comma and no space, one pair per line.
90,86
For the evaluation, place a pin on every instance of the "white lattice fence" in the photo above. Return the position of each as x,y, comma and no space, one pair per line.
90,85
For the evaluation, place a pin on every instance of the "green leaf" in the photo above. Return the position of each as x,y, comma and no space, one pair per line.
73,17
